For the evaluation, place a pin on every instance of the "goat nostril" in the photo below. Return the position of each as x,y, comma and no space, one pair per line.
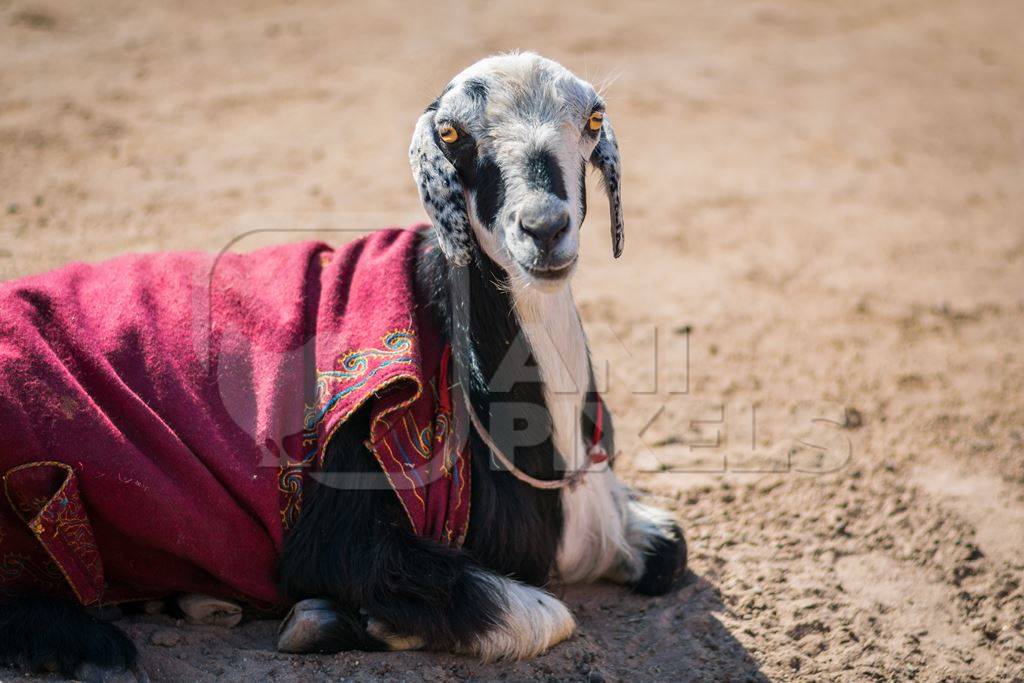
560,230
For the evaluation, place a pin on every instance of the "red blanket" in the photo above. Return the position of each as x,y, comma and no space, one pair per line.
158,412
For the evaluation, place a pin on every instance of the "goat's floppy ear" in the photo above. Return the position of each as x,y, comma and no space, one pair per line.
606,158
440,192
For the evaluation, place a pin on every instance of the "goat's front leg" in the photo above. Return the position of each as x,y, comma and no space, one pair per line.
611,535
363,580
507,620
411,593
657,549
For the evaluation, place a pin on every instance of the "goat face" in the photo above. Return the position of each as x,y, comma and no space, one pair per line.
501,156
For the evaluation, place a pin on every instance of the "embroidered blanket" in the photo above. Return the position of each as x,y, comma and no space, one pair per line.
158,413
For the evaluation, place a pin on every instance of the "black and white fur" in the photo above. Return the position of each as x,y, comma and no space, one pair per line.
501,294
507,201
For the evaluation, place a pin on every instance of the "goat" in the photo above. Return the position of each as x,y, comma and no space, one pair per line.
499,159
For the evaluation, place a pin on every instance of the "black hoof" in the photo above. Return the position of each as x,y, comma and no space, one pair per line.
323,626
665,561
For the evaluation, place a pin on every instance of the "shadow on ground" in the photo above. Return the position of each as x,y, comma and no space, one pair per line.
621,636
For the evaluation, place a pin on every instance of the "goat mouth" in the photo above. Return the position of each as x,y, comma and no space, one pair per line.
555,273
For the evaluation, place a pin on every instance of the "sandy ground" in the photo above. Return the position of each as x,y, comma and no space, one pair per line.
825,235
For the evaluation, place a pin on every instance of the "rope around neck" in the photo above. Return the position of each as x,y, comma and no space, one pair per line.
595,454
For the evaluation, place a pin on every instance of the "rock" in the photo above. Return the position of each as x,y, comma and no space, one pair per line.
165,637
210,611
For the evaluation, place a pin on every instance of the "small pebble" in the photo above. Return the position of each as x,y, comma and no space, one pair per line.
165,637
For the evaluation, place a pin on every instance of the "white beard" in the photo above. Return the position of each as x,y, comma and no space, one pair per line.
594,537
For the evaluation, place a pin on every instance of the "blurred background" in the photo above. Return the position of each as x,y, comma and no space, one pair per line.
825,221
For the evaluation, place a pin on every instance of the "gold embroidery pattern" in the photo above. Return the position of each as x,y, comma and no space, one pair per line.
352,372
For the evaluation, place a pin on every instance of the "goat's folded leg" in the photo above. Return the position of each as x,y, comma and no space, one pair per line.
529,622
402,591
439,596
508,620
655,552
611,535
526,621
352,543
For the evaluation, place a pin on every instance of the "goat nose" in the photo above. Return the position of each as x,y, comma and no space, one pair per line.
545,228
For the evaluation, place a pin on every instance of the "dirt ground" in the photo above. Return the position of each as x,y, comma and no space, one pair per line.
825,237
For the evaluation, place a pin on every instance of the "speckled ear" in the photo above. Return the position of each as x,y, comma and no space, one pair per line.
606,158
441,192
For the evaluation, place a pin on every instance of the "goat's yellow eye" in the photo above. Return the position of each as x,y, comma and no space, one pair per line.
595,120
448,133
